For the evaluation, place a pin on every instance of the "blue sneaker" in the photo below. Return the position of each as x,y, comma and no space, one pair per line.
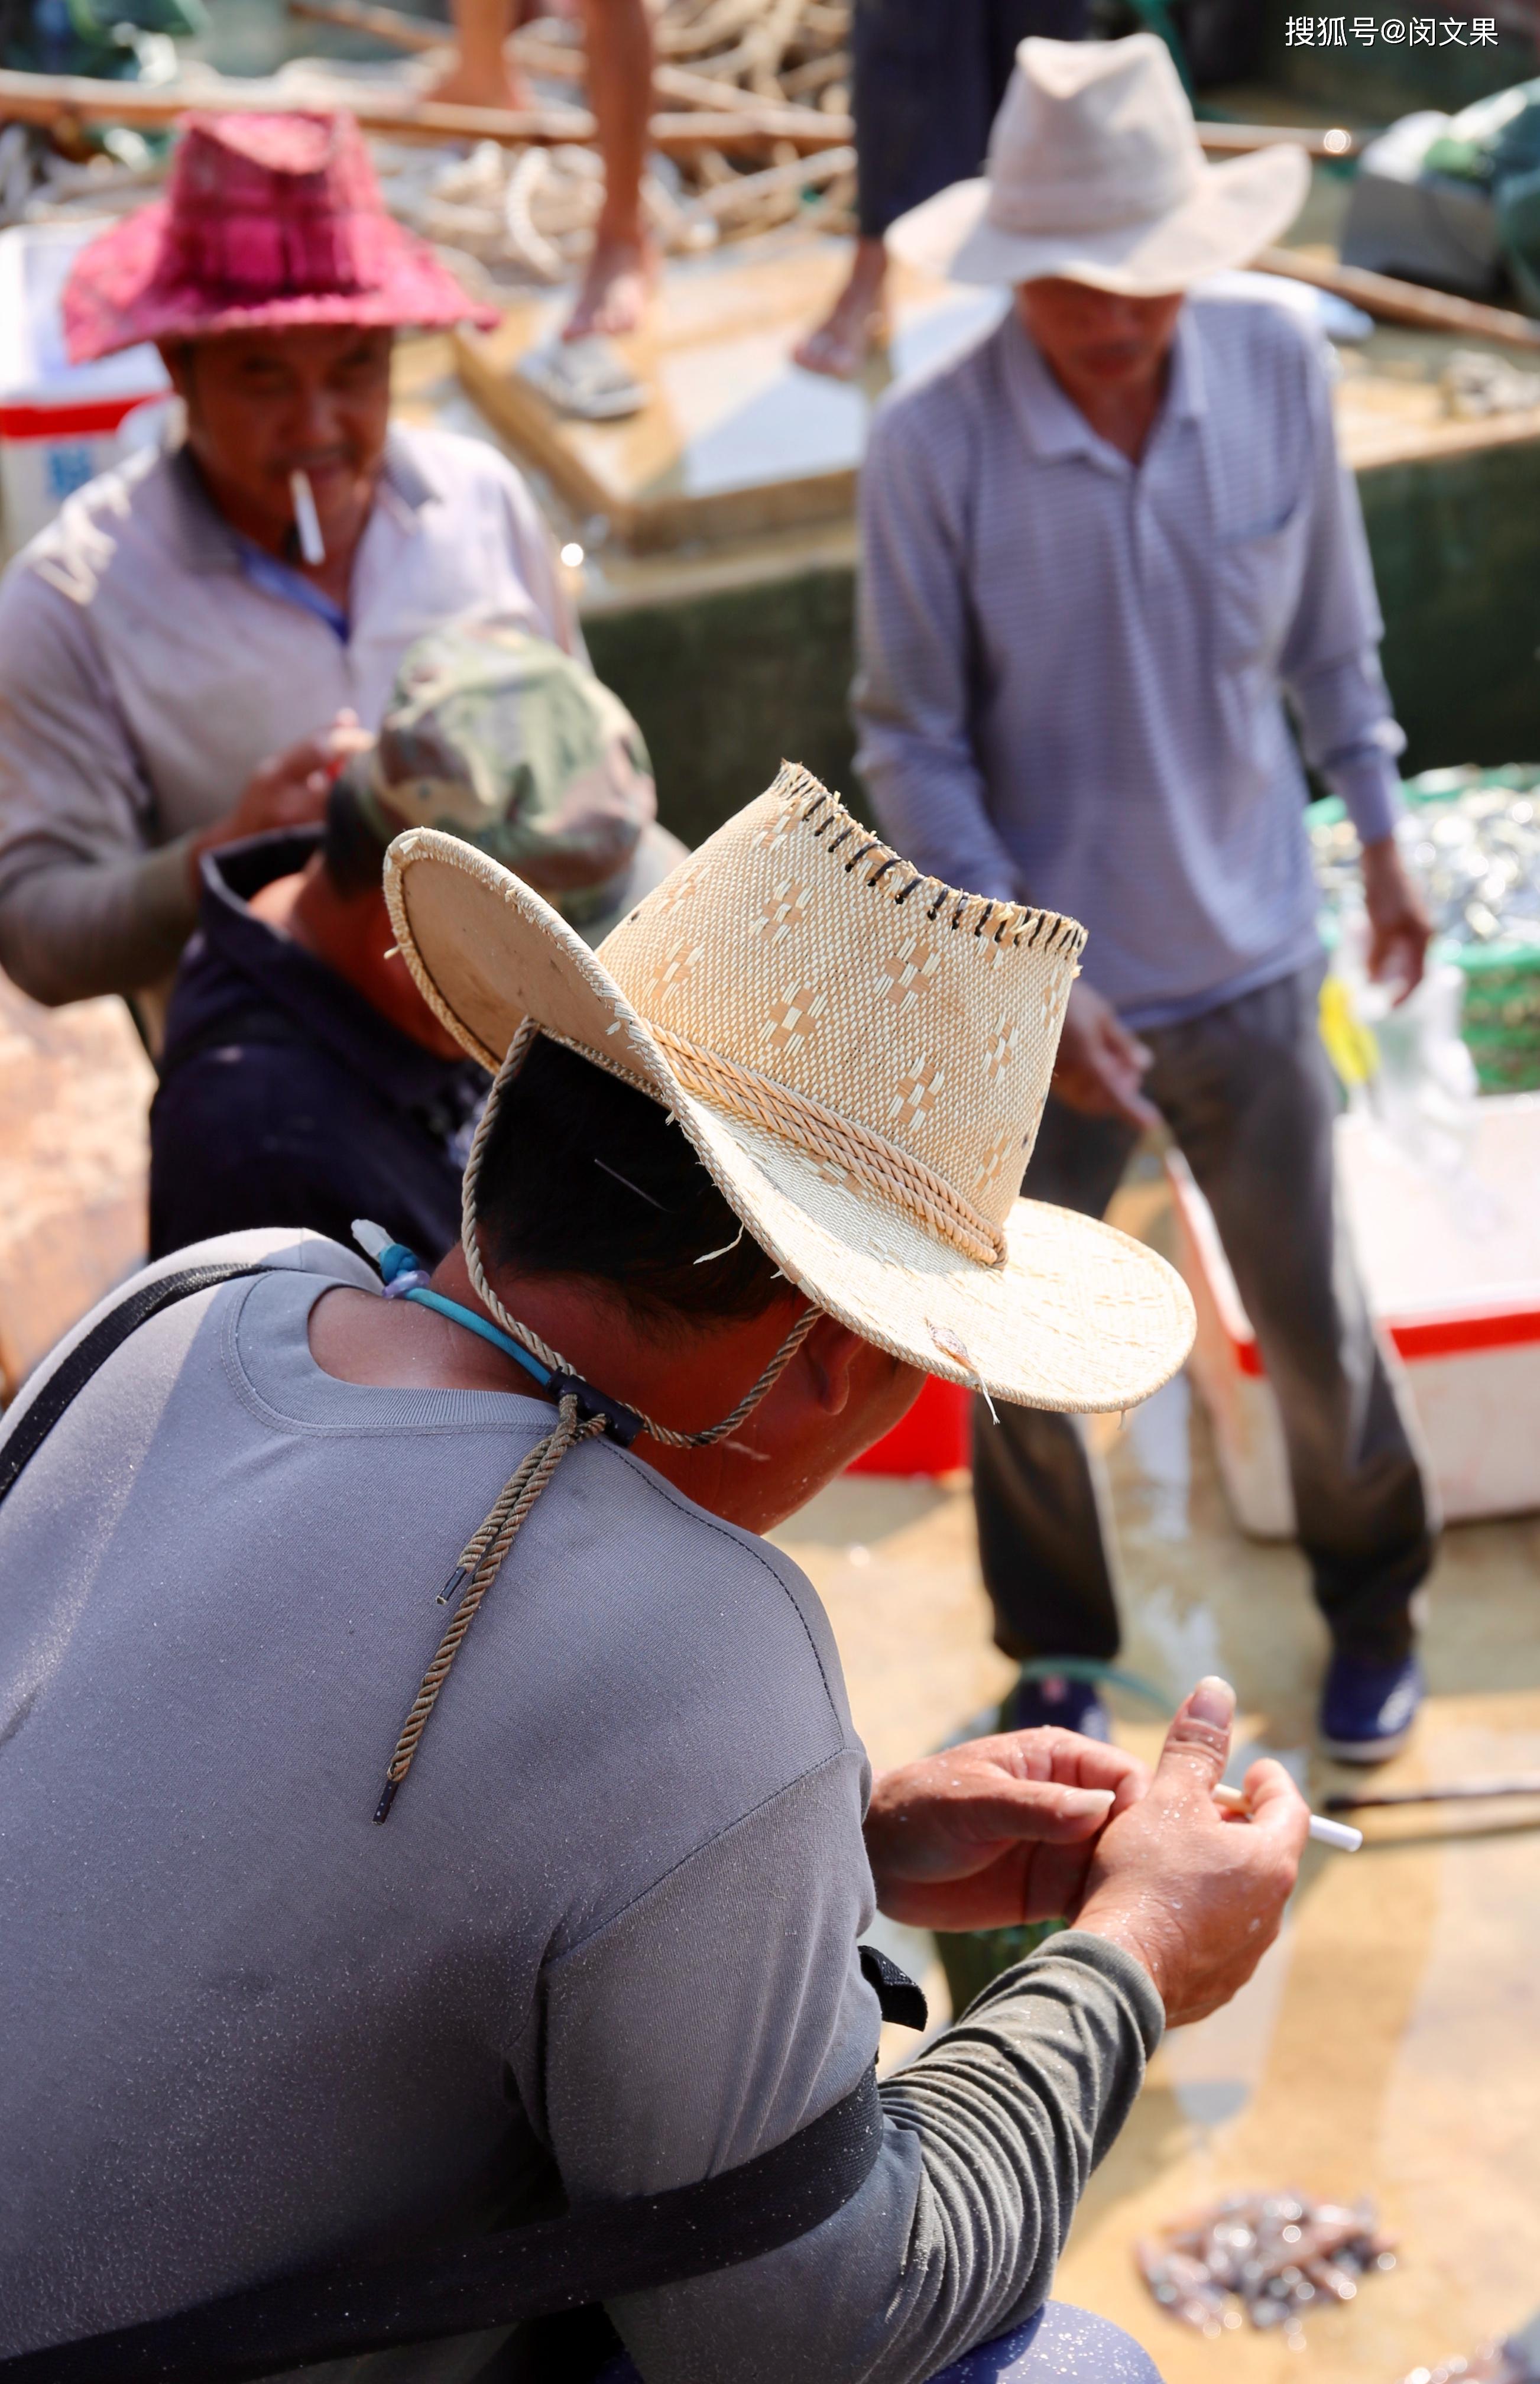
1367,1710
1058,1703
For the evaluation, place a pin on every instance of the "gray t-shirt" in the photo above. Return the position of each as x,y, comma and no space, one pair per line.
606,1943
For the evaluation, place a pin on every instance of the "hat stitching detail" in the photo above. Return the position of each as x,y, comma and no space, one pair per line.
794,781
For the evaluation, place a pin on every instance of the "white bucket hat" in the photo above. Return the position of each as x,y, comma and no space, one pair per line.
860,1056
1095,174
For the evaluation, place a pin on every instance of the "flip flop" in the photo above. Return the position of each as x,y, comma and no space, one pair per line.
585,377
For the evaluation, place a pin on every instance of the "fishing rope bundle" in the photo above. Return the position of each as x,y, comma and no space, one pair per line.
583,1413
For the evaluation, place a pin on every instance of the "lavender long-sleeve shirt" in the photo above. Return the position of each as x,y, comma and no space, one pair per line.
1074,668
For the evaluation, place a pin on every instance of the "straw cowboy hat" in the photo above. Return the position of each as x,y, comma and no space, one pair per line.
268,223
1095,174
860,1056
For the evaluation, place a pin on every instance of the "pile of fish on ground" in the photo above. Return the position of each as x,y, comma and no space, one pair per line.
1269,2257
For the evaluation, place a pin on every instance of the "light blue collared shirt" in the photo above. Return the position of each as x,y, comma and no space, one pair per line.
1073,667
276,577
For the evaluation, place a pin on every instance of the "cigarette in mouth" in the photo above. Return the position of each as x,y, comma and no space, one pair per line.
1325,1833
306,521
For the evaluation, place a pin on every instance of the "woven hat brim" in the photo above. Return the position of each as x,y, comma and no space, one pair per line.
112,300
1239,207
1079,1317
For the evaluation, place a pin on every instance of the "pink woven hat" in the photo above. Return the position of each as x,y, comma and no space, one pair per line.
269,222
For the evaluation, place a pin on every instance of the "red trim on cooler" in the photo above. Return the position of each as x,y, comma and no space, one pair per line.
1459,1337
87,419
1432,1336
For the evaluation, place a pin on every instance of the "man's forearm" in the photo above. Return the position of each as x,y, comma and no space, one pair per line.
991,2133
1352,739
1370,787
73,929
1013,2106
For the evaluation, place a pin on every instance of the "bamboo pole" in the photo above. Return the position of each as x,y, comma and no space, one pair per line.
1453,1791
1239,140
1403,301
77,99
389,25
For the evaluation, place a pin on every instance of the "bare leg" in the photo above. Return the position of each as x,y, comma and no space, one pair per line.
482,75
619,276
855,324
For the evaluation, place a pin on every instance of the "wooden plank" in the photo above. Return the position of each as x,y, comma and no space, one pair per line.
78,99
1402,302
734,440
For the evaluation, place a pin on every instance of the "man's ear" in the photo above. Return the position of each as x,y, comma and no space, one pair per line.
176,357
831,1349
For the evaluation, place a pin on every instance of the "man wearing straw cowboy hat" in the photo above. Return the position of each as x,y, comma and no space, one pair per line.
1099,551
424,1798
187,653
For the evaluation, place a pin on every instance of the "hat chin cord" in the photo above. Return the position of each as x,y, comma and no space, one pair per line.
582,1414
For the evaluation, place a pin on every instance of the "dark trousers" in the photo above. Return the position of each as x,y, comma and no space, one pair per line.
1248,1097
1058,2345
927,78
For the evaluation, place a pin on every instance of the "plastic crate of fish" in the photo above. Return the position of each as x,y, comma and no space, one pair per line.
1472,838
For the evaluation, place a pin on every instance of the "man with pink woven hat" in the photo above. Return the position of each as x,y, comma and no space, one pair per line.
1109,553
435,1846
190,650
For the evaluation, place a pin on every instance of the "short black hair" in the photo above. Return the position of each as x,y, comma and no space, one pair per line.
351,853
584,1174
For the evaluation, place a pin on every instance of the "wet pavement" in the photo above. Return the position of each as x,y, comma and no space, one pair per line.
1386,2046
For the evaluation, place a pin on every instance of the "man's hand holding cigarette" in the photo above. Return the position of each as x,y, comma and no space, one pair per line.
1042,1824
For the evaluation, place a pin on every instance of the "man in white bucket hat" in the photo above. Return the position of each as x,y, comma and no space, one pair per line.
478,1563
1100,549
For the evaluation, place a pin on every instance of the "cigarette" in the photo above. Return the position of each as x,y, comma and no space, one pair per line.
1325,1833
306,521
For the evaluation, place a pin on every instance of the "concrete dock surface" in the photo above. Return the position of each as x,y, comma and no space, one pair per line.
1386,2045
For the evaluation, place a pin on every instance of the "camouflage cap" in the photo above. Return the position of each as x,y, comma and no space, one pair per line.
498,737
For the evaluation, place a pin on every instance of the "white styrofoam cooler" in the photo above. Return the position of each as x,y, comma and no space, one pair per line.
1452,1272
58,422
